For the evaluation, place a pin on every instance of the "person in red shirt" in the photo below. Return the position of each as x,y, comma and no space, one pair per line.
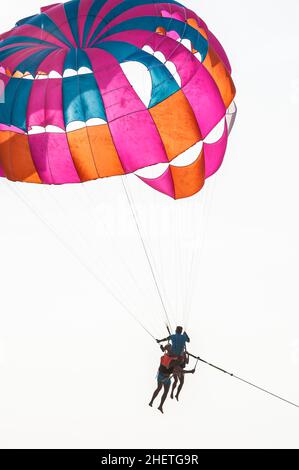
169,366
163,378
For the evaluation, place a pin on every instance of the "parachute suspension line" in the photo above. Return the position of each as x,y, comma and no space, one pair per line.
251,384
85,241
190,246
161,247
158,258
195,211
131,204
69,248
166,251
193,218
177,268
182,250
112,237
201,245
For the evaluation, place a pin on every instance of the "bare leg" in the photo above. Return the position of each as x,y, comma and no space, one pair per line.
156,393
174,385
182,380
164,396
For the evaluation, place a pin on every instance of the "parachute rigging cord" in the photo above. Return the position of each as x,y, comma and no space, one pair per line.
26,202
73,252
133,211
42,138
251,384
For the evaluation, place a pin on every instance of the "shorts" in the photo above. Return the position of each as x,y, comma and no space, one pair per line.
163,379
178,361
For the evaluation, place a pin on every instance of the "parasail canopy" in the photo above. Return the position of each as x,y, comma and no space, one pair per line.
104,91
97,88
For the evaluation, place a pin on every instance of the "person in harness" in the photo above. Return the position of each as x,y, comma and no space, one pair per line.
169,366
178,343
179,377
164,377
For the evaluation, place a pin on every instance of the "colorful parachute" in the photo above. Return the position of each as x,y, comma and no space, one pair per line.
98,88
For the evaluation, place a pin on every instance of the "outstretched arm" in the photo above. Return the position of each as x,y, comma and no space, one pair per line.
162,340
188,371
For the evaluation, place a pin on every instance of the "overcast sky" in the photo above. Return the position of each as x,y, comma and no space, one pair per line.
77,371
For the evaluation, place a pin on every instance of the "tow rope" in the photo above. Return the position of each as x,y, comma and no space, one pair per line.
243,380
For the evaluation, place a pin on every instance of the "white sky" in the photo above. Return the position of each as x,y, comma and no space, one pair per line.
76,371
